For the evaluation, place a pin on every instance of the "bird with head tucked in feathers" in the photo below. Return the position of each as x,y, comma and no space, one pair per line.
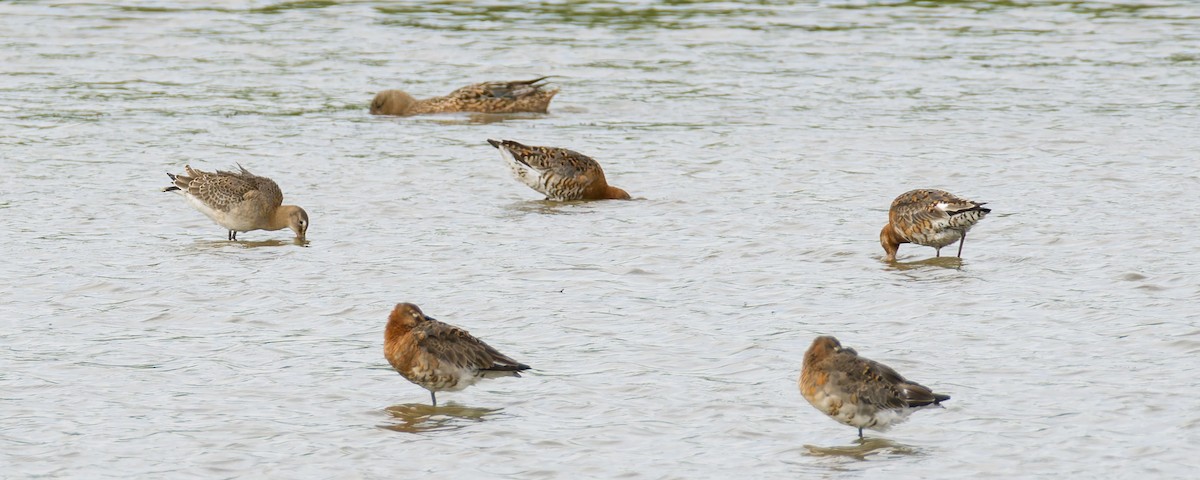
857,391
440,357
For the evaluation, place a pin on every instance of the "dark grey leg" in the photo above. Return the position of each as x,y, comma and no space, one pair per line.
433,397
961,241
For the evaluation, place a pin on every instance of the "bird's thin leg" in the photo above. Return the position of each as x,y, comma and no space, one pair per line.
860,433
961,241
433,397
939,253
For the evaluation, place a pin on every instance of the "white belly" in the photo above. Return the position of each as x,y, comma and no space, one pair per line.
446,379
859,416
236,218
938,238
523,173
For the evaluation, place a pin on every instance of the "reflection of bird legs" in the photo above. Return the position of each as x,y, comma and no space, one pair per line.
961,241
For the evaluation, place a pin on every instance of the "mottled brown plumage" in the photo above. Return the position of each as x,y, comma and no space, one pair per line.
487,97
857,391
438,356
557,173
239,201
933,218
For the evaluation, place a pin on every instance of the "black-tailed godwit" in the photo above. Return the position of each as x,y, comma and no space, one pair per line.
557,173
440,357
239,201
934,218
487,97
857,391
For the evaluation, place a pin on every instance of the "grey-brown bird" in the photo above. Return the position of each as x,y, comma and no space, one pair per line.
557,173
934,218
486,97
440,357
239,201
857,391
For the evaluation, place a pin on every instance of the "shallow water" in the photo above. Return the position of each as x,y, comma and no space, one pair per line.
762,142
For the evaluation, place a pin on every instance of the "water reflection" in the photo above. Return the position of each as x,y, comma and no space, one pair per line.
252,243
938,262
486,118
422,417
548,207
440,15
471,118
276,8
863,448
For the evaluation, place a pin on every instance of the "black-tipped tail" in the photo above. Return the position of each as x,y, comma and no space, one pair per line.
979,207
172,187
532,83
500,367
509,144
915,395
503,369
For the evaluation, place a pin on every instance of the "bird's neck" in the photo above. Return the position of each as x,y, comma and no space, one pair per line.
891,240
281,218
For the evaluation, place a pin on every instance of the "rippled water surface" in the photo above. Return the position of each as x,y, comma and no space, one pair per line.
763,143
